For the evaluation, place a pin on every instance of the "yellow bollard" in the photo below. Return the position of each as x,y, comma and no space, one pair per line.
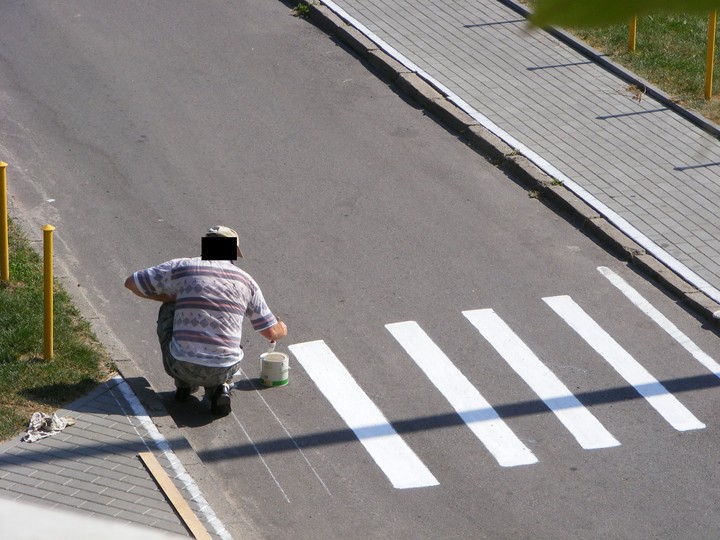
48,288
4,242
710,55
633,33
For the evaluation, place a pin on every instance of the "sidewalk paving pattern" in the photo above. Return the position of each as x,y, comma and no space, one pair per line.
646,169
93,467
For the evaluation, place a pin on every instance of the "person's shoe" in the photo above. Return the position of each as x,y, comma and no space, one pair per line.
181,394
220,404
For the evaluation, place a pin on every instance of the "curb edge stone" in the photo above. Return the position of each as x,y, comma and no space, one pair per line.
520,168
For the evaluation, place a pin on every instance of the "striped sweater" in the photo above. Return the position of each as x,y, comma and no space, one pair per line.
212,299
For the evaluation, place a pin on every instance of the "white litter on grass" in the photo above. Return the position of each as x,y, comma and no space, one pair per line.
42,425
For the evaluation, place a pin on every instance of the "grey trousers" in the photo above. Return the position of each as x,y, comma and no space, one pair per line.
187,374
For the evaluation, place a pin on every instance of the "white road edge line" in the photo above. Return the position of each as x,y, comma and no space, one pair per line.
469,404
636,298
579,421
394,457
164,447
630,369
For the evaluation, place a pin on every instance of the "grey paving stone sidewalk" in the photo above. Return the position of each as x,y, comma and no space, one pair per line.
92,466
646,169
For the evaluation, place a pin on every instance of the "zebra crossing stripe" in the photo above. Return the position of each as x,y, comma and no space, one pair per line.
474,410
646,385
662,321
396,459
579,421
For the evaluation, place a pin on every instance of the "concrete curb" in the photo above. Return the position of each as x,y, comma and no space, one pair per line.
158,415
518,167
177,443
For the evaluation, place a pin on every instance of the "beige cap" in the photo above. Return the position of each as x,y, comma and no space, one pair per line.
225,232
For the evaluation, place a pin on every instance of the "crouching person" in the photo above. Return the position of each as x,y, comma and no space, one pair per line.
205,300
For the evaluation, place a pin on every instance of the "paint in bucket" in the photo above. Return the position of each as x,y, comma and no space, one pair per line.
274,368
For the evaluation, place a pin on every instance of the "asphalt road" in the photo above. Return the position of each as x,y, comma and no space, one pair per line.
134,126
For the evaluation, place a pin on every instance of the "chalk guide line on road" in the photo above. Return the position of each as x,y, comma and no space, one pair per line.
282,425
403,467
259,454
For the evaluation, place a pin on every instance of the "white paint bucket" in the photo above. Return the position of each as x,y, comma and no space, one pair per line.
274,368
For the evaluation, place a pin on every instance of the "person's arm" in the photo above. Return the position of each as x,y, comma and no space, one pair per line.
275,332
130,284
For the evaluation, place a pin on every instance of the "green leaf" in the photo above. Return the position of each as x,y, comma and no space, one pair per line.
595,13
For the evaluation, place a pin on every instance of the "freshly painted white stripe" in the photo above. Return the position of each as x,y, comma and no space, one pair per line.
647,386
580,422
636,298
475,411
396,459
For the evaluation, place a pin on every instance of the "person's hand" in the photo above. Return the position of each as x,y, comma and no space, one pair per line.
276,331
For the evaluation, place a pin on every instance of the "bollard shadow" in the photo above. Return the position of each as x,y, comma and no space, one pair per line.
495,23
557,66
56,395
701,166
636,113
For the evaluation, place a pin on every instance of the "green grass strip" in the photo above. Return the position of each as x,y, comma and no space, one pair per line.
28,383
670,53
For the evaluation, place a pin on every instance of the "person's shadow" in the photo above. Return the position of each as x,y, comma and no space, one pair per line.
248,385
195,412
